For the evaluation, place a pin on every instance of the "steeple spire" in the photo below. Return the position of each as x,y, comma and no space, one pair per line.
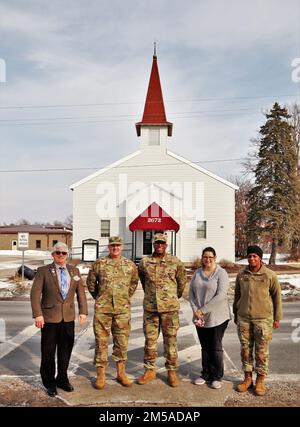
154,111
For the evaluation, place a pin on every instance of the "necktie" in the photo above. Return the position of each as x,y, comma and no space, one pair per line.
63,282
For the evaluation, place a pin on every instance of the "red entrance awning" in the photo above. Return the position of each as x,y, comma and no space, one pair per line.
154,218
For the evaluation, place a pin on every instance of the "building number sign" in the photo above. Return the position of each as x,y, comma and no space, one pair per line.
152,220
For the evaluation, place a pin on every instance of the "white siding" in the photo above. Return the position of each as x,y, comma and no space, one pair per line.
153,164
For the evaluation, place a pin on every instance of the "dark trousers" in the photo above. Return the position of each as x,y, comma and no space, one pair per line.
212,351
58,336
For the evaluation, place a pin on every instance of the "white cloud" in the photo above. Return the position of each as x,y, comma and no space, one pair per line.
24,22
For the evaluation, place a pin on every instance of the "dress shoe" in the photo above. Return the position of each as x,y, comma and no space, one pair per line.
65,386
51,391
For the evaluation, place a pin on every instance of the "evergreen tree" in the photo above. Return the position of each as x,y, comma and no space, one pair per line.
274,196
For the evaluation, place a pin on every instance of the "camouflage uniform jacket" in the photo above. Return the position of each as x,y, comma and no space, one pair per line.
257,295
163,281
112,284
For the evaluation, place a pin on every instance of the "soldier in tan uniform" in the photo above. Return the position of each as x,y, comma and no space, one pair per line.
112,281
163,279
257,311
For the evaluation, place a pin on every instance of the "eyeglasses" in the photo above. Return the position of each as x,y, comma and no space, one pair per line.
159,243
60,253
208,257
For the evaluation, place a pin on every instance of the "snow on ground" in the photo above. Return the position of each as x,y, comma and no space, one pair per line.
15,263
293,279
6,265
5,285
45,254
280,259
12,265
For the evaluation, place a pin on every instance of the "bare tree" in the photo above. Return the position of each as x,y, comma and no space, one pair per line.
250,163
69,221
23,221
294,110
241,215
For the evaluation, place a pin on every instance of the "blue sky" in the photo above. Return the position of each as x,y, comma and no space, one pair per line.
221,65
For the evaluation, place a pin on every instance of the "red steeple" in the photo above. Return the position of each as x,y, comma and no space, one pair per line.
154,111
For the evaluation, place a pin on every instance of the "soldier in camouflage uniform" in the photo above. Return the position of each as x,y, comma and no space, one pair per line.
112,281
257,310
163,279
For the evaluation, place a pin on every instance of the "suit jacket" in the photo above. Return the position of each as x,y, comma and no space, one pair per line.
46,299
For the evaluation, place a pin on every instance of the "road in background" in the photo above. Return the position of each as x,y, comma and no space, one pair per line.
20,353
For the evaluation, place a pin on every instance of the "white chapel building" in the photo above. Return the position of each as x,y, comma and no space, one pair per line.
154,189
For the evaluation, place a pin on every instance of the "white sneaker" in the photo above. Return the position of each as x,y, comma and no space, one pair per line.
199,381
216,384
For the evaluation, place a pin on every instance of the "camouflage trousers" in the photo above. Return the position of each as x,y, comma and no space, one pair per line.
119,325
168,323
255,334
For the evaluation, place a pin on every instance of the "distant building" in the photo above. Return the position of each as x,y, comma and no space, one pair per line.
41,238
155,189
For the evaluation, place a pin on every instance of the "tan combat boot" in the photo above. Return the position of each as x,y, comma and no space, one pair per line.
100,381
121,375
247,383
172,379
260,388
148,376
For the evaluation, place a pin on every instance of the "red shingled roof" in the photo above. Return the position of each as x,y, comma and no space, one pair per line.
154,111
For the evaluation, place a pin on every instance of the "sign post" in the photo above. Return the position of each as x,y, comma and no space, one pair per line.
90,250
23,243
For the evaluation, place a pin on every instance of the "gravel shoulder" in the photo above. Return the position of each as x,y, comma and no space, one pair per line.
20,392
15,392
279,394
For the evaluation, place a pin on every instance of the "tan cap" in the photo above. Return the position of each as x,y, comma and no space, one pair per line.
160,237
115,240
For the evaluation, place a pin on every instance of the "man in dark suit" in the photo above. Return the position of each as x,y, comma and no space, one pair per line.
52,301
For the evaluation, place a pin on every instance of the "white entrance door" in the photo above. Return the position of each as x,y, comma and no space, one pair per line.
14,245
